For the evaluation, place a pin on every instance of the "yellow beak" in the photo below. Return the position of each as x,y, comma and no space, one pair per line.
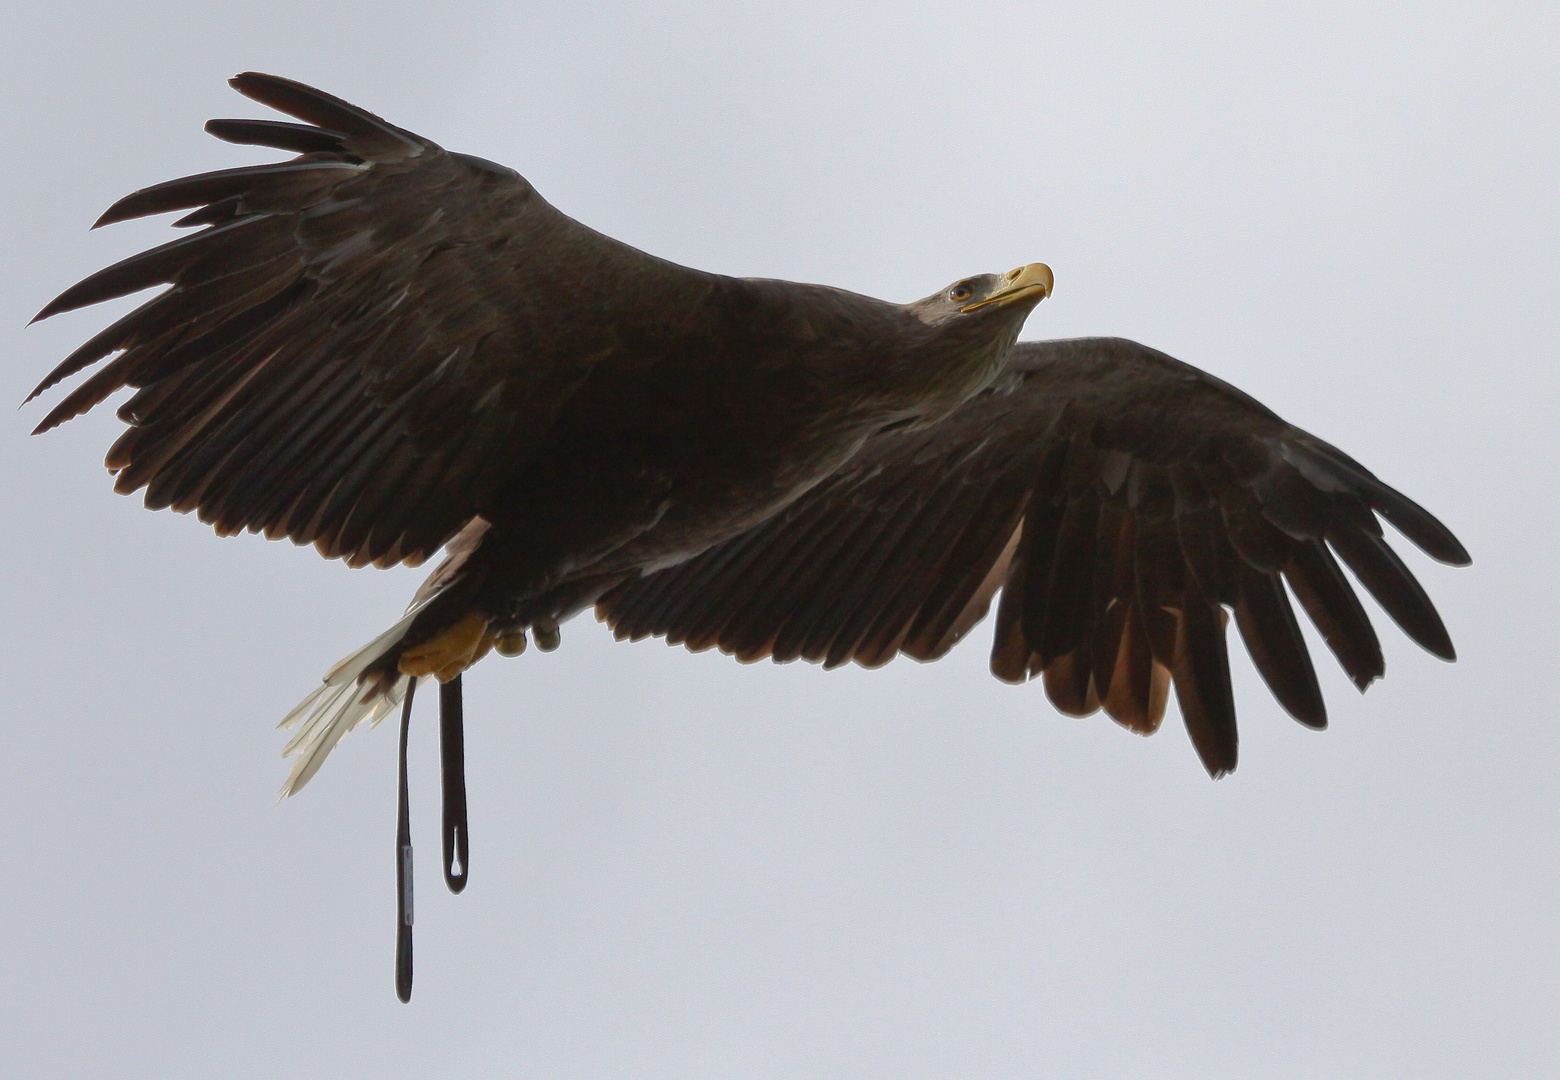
1021,282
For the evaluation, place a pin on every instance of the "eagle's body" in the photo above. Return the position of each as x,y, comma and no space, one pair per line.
671,446
383,348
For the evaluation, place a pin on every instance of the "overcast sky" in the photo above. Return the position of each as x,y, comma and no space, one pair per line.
687,868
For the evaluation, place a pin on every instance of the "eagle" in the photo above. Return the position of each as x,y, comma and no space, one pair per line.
386,349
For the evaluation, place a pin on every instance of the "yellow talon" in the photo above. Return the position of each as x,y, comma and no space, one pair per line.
448,652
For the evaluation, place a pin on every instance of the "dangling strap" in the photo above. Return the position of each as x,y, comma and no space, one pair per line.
452,760
403,868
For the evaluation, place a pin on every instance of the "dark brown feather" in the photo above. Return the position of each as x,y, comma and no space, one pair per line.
1201,671
297,184
1136,698
1395,588
1272,636
1322,590
279,135
1010,652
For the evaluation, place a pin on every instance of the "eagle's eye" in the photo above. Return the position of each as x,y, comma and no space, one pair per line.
960,293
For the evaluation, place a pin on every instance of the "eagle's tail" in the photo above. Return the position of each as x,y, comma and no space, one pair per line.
373,680
343,701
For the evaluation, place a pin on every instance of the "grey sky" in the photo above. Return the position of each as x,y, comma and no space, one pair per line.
683,867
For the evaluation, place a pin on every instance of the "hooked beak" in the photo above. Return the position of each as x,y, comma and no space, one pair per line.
1017,284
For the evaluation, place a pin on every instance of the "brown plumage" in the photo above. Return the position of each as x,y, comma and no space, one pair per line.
379,346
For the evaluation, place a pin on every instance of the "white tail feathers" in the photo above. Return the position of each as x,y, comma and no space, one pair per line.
340,704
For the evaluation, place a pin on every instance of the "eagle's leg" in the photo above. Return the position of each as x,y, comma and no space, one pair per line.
452,771
450,651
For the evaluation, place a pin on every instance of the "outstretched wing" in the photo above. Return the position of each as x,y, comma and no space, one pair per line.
359,342
1122,501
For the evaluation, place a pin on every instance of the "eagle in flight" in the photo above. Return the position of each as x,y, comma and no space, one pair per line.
385,349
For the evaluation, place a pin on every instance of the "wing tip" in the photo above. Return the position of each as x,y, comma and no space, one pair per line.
245,81
125,208
53,307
